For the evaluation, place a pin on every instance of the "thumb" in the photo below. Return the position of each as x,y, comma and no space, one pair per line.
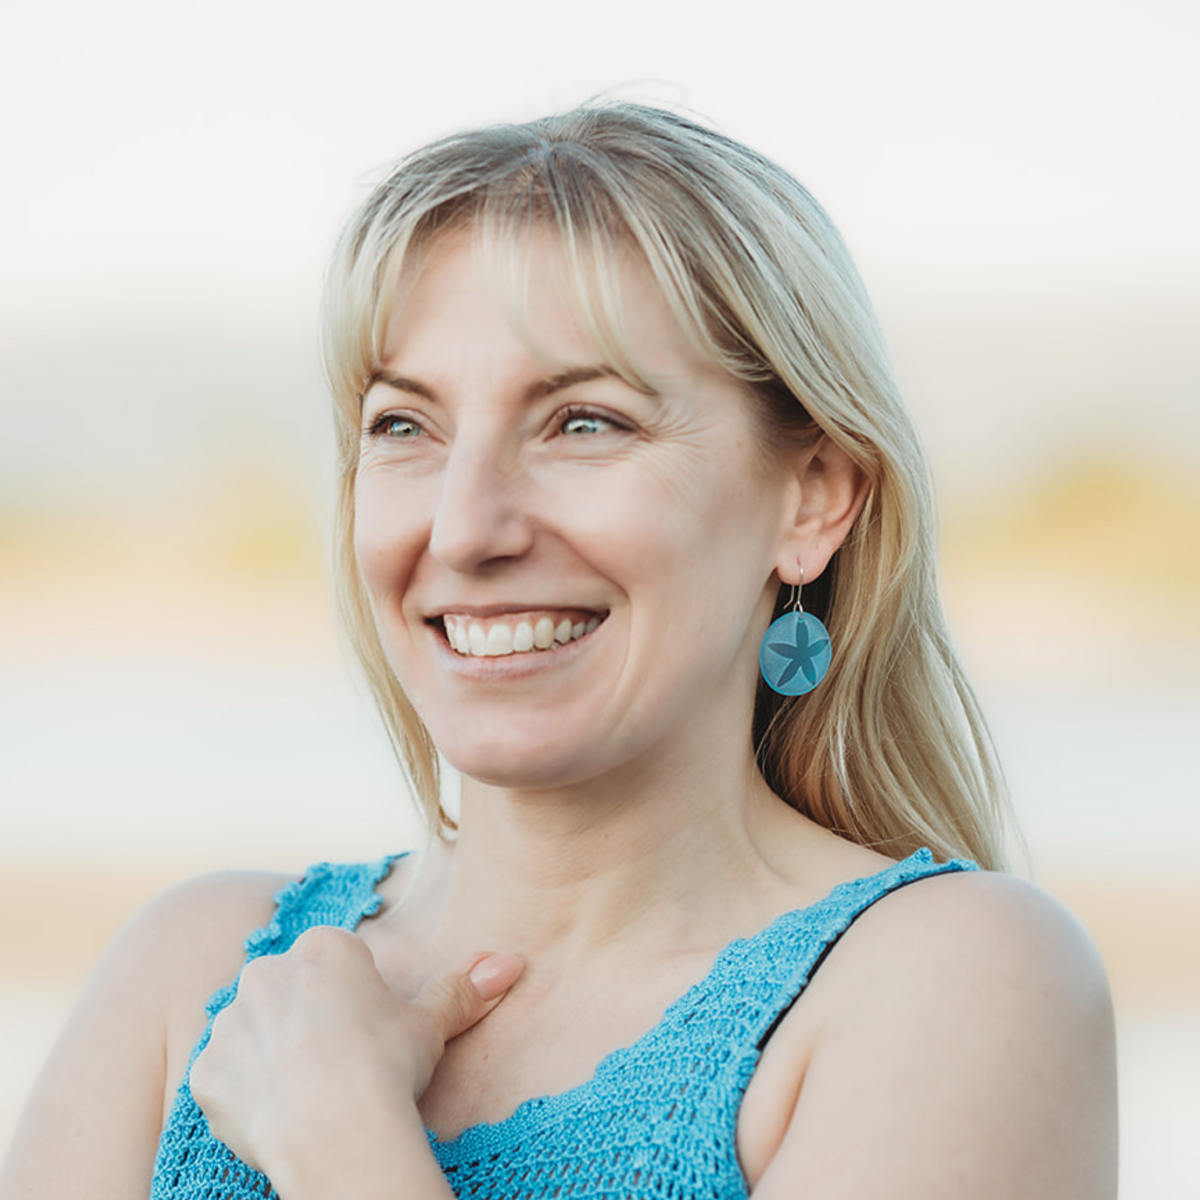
458,998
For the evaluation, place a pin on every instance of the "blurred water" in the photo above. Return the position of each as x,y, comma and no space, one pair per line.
146,757
1158,1054
196,758
1105,781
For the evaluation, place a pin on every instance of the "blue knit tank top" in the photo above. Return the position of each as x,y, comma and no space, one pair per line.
659,1117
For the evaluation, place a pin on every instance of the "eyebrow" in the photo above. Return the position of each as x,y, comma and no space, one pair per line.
536,391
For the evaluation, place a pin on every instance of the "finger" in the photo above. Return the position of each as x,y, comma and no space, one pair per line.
321,942
456,999
494,974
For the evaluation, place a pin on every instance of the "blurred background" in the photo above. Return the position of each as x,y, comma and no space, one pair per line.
1018,182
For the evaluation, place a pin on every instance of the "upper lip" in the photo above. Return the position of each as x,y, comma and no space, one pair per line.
483,611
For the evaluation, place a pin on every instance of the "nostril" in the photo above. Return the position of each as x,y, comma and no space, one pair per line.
466,535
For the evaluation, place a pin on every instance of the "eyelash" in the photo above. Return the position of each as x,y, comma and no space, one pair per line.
581,413
379,427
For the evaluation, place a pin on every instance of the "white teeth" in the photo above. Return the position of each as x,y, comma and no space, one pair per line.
498,639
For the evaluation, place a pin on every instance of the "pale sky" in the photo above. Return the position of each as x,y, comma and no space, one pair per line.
212,147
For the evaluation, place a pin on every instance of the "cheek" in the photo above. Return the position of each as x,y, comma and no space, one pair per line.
696,558
726,548
721,521
383,543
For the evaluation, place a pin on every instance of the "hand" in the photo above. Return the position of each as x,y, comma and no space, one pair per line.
316,1053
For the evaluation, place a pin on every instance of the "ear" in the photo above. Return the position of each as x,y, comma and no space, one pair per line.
829,491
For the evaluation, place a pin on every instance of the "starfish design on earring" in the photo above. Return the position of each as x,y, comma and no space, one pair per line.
804,652
795,652
800,661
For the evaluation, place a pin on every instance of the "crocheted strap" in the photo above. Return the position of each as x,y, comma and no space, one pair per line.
804,978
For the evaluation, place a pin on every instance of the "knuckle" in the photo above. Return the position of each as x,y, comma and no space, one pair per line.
254,979
221,1037
321,941
202,1079
453,1005
426,1027
198,1077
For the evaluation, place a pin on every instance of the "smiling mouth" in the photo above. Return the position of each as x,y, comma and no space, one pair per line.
517,633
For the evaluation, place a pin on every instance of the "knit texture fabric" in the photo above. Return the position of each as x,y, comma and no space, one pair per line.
659,1117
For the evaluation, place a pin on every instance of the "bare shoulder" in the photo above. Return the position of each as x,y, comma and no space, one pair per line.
92,1123
190,939
201,923
963,1027
980,925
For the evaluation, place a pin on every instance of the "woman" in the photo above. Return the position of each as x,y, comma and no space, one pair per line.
610,402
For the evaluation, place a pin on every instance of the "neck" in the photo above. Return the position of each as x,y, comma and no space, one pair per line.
568,872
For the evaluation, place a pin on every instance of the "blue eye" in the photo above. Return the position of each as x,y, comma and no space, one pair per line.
583,423
390,426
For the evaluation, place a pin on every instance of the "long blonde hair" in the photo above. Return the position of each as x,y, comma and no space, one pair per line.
891,749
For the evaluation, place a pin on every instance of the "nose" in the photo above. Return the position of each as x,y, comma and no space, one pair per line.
481,517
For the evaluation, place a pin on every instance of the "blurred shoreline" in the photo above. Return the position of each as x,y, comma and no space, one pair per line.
72,907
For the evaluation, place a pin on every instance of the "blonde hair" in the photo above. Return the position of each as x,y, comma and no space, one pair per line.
891,749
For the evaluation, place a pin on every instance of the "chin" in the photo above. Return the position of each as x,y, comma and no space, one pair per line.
518,764
529,771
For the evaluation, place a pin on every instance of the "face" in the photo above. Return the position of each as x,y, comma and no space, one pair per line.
569,576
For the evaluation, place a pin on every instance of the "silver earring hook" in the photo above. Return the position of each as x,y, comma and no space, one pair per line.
794,604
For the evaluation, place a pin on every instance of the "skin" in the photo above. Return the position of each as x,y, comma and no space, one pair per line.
615,832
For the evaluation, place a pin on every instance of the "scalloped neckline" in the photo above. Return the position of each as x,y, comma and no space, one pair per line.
556,1101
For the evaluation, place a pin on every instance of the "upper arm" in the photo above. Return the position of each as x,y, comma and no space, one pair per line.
963,1047
92,1123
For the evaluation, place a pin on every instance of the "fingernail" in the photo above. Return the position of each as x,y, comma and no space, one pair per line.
495,974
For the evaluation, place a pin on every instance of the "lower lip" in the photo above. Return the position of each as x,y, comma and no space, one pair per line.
510,666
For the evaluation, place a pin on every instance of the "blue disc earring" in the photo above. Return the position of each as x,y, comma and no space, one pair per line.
795,652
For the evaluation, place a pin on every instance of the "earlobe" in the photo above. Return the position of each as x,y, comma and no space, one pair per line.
830,493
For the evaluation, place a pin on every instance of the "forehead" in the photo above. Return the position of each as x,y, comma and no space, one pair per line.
563,303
